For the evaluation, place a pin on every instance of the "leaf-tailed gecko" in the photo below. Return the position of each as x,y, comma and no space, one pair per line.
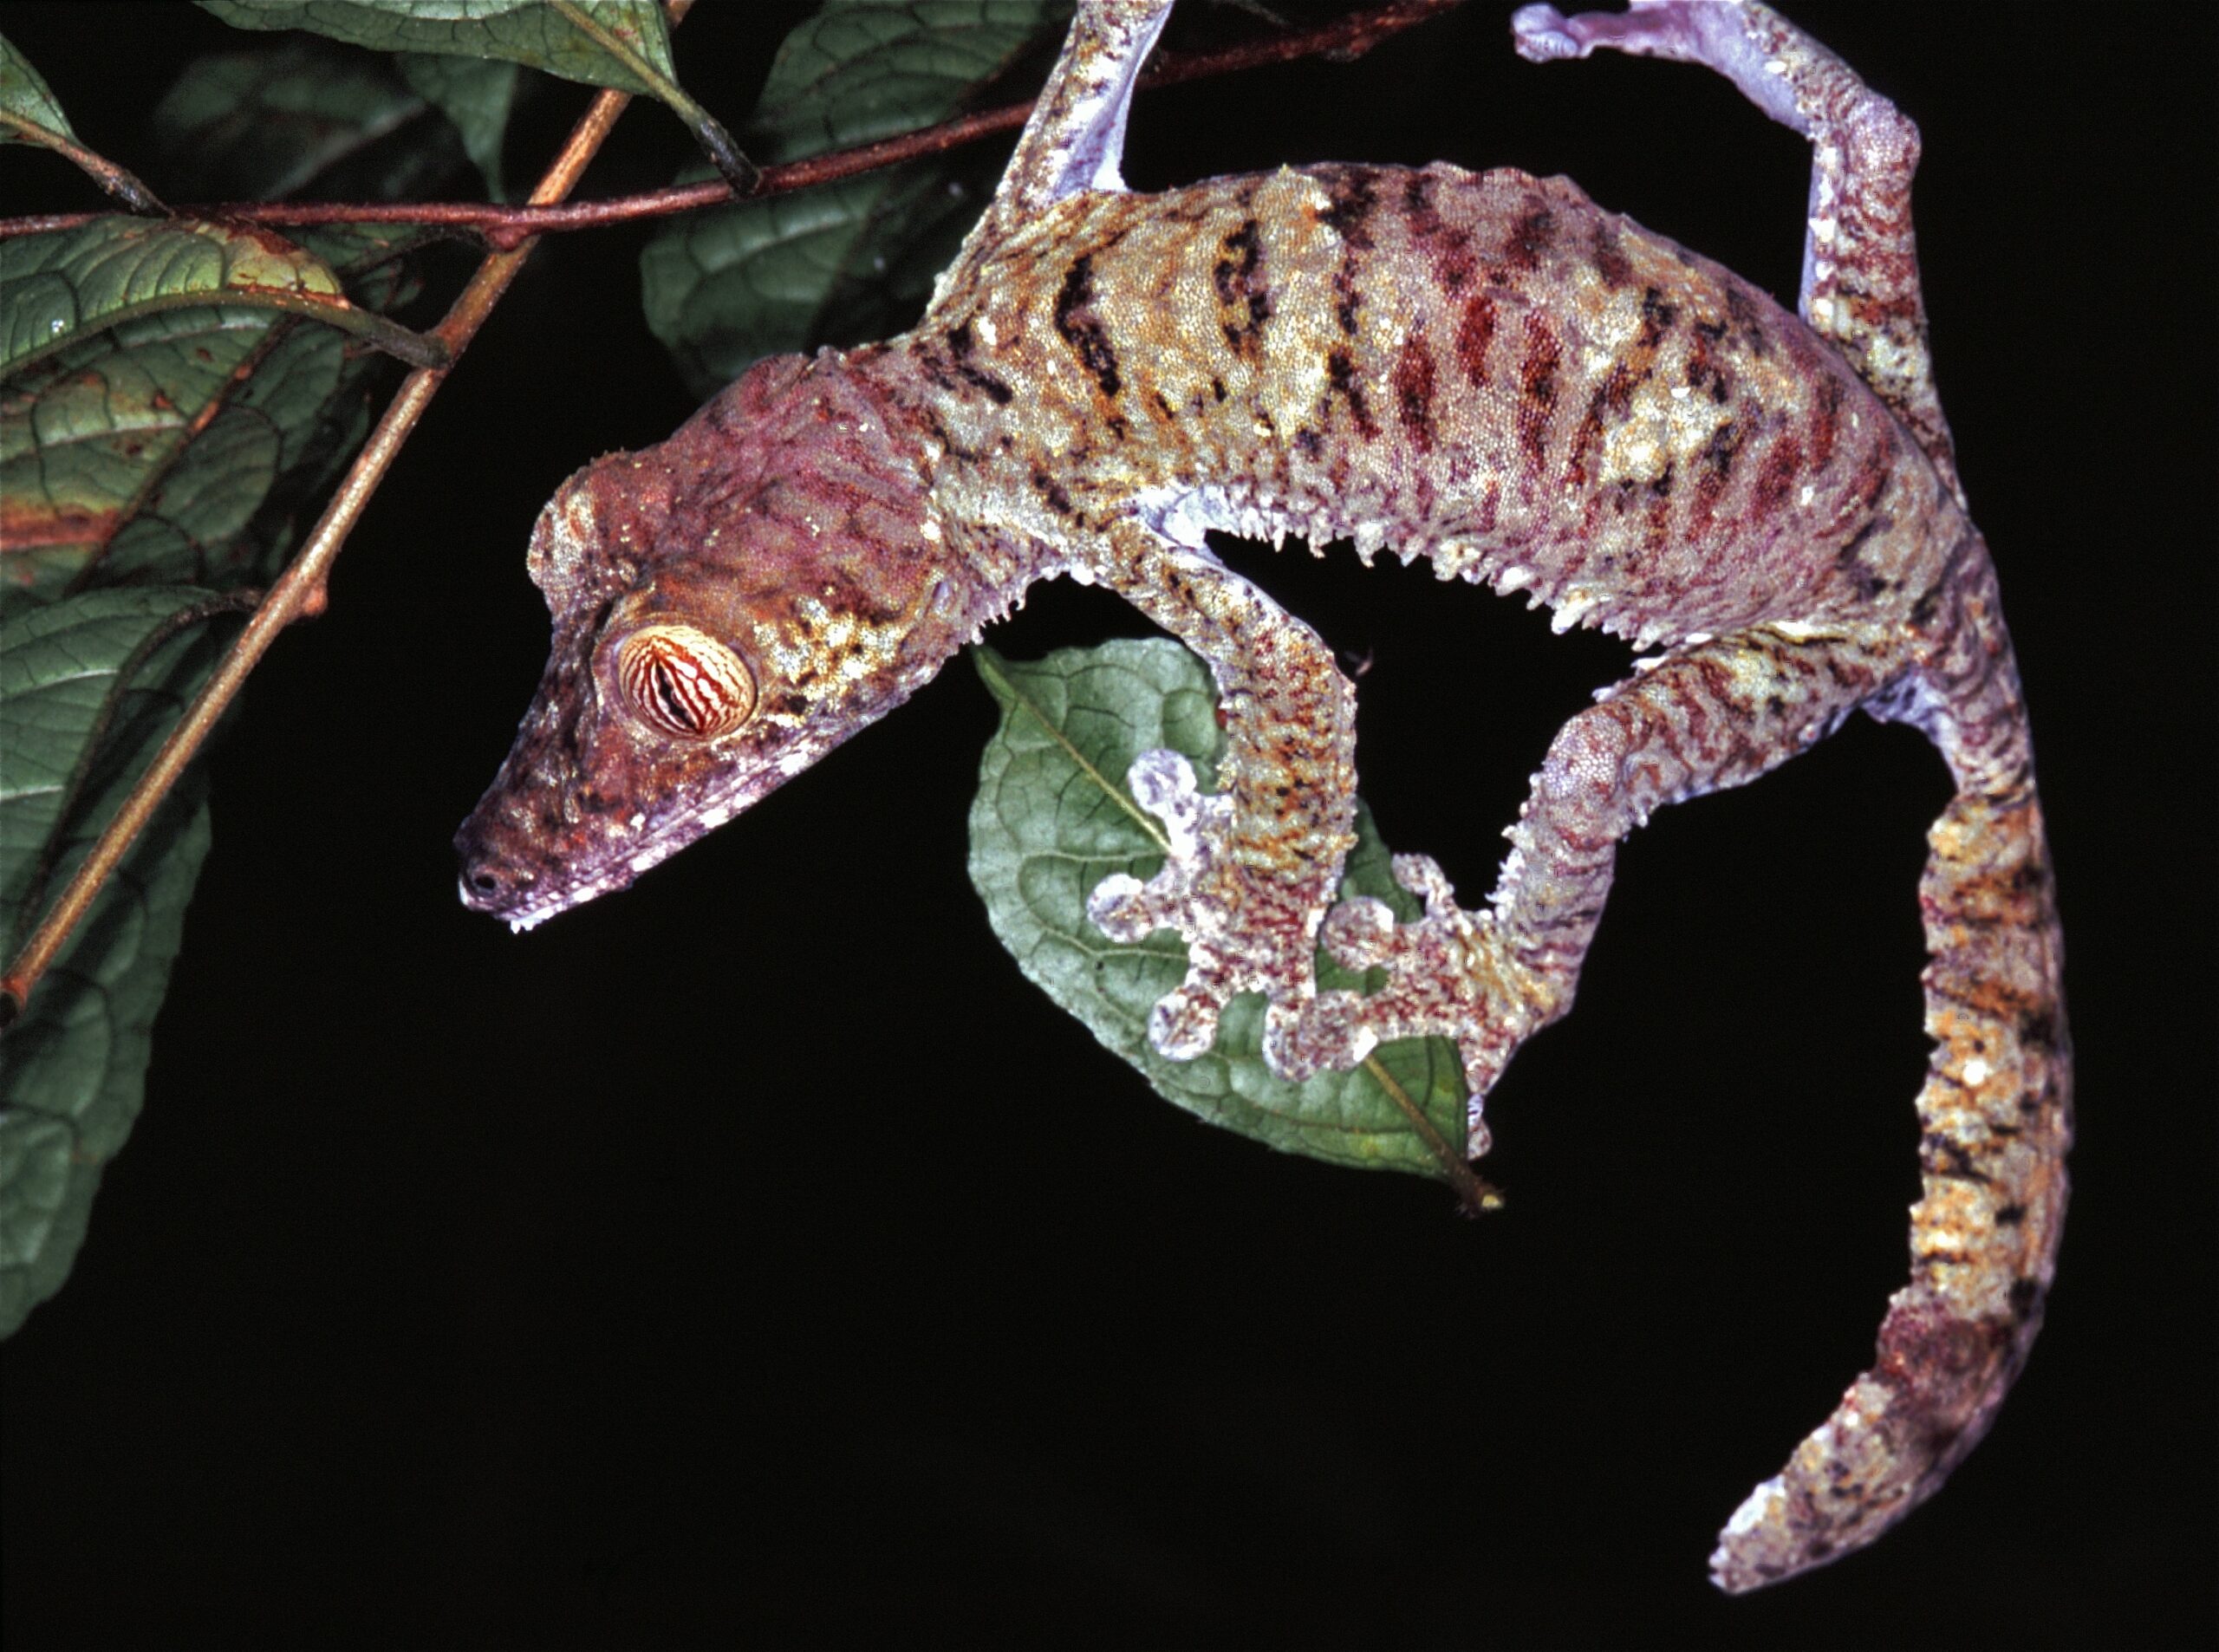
1486,370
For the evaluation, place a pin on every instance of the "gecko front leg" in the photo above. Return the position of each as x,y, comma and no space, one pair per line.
1252,868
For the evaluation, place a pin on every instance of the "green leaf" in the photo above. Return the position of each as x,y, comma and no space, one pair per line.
857,72
837,264
26,101
1053,818
169,447
30,113
477,95
107,670
267,123
56,287
624,44
851,260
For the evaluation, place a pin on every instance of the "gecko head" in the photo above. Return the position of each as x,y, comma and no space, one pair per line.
727,606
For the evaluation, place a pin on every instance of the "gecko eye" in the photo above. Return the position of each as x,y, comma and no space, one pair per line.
683,682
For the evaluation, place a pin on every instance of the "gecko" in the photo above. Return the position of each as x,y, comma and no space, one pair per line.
1486,370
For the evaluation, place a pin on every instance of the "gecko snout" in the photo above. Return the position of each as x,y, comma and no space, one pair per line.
489,881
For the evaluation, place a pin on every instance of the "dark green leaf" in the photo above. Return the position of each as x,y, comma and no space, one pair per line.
56,287
153,451
1053,818
840,263
857,72
72,1069
266,124
477,95
28,113
851,260
27,104
624,44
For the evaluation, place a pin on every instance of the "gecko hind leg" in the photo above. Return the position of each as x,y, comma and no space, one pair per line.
1860,264
1705,717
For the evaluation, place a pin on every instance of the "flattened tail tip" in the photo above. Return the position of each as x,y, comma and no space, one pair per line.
1755,1548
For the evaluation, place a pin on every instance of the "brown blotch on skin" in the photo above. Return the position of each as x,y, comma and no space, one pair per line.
1340,374
1474,333
960,344
1052,491
1776,480
1748,321
1079,328
1531,237
1240,291
1414,391
1825,420
1537,385
1353,193
1611,261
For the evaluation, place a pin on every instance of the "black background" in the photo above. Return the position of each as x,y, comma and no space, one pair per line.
756,1258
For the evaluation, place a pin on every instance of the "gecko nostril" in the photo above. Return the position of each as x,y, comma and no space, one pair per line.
483,882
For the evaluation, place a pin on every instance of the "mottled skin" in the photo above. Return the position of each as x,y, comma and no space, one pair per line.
1486,370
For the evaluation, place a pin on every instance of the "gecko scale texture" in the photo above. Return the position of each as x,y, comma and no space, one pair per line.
1486,370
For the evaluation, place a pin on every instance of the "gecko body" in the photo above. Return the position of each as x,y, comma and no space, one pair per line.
1486,370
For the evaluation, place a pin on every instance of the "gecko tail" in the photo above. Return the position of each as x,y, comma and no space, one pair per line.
1995,1119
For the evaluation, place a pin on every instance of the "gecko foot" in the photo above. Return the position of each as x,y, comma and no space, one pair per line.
1543,35
1449,975
1244,931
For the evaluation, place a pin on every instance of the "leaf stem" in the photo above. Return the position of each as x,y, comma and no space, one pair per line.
1473,1192
741,173
505,226
300,589
124,186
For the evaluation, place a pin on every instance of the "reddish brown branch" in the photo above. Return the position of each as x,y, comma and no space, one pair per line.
503,227
300,589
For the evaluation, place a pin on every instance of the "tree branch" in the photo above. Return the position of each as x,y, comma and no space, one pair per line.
504,227
300,591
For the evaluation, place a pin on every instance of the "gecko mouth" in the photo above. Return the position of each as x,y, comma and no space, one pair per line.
517,888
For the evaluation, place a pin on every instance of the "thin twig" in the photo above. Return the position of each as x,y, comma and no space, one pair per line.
110,176
299,590
504,227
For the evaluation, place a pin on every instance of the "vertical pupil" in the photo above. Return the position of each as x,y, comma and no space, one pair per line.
694,692
666,695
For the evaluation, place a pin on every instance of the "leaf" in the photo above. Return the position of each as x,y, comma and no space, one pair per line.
30,113
622,44
477,95
26,101
855,259
156,450
857,72
57,287
267,123
72,1069
1052,819
839,263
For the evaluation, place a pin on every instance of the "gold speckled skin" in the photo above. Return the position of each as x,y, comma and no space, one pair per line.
1486,370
